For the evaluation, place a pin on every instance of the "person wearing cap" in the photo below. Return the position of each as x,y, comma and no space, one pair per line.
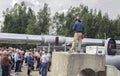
78,28
17,60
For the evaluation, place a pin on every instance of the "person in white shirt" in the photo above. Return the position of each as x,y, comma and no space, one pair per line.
44,60
26,55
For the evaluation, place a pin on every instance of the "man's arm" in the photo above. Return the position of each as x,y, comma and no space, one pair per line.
74,26
83,30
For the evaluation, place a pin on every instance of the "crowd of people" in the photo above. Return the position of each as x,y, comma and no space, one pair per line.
13,59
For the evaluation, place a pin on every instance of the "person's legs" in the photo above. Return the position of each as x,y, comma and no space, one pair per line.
26,60
43,69
17,66
49,65
10,68
20,65
29,69
13,65
40,65
0,70
37,66
46,68
74,42
5,70
32,67
79,41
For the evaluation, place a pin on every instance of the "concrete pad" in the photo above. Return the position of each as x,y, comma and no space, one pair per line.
65,64
112,71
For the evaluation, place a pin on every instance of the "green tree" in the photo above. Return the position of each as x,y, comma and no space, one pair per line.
7,21
70,19
103,27
15,19
72,14
116,26
58,23
32,27
43,18
97,25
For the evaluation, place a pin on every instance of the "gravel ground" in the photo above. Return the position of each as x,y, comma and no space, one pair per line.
24,72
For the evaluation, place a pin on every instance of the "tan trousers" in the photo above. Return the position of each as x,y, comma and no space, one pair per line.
77,36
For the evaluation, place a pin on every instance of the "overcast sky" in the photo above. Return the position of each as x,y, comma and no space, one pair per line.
112,7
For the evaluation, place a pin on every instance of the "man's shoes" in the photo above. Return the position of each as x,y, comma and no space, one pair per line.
16,74
20,70
39,72
49,70
70,51
78,51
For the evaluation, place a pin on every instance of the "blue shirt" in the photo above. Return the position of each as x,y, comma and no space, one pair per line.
30,60
78,27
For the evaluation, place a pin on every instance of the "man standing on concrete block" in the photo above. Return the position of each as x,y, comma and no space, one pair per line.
78,29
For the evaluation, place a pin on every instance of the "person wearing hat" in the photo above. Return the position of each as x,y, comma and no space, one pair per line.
17,60
78,28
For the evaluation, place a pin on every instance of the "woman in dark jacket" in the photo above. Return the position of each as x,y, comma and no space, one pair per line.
5,62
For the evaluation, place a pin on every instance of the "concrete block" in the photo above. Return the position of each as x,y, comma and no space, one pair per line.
112,71
64,64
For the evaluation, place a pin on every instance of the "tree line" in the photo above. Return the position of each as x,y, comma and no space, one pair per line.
22,19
